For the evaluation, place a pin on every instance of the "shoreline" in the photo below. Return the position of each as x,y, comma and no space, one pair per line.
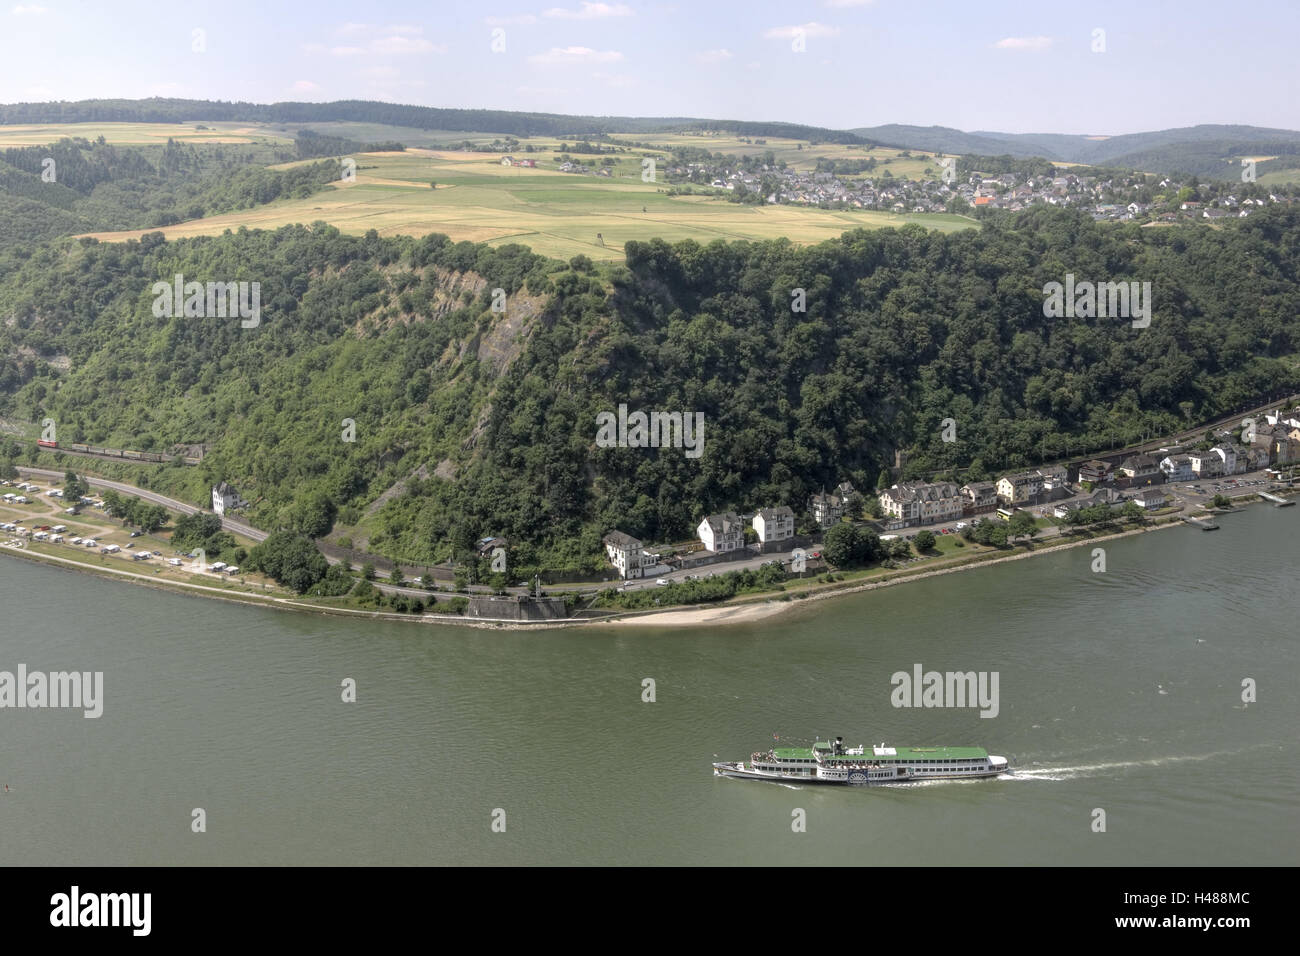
715,614
737,612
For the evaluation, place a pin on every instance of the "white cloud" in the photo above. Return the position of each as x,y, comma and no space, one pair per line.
389,43
713,56
28,10
590,11
399,45
519,20
1024,43
305,86
575,54
807,29
615,80
39,93
370,29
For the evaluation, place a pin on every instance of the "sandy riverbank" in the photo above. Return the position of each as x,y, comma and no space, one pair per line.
727,614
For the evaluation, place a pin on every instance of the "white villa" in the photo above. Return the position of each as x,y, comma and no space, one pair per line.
627,554
1177,468
917,502
225,498
722,532
774,525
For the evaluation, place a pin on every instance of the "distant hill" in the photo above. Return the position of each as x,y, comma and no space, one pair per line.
1207,150
160,110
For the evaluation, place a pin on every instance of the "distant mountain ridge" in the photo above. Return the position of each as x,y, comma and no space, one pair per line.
164,110
1209,150
1206,150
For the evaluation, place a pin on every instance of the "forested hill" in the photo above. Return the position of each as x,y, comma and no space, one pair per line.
99,186
166,110
1212,150
471,422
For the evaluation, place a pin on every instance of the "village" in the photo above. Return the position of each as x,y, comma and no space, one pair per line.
1119,197
1261,454
1107,195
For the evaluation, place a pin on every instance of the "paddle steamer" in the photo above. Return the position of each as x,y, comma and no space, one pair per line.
832,762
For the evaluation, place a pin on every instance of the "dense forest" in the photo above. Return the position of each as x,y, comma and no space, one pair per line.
471,422
100,186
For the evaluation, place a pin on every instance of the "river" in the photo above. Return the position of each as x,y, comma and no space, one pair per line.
1119,691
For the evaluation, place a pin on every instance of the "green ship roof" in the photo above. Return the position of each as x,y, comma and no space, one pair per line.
923,753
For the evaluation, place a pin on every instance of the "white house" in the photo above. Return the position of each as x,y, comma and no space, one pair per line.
722,532
626,553
1177,468
773,526
1233,458
917,502
224,498
1150,498
1206,464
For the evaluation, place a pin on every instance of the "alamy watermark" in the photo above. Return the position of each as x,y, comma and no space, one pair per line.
57,689
950,689
655,430
1102,300
76,909
213,300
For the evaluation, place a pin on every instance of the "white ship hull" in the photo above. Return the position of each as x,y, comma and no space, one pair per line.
855,768
853,778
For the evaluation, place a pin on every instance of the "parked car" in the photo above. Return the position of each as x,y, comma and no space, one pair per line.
662,582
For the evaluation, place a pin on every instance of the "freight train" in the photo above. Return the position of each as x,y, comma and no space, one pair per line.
128,454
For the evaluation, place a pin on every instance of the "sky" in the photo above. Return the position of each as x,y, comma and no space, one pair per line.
1101,68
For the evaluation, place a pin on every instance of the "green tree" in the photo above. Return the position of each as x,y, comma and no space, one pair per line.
923,541
314,515
1021,525
74,488
840,545
290,559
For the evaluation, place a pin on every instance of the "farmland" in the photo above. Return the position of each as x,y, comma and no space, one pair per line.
140,134
555,213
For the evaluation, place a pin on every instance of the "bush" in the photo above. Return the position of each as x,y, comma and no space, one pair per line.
336,583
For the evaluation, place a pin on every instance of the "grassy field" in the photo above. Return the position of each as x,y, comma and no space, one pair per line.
800,155
556,214
140,134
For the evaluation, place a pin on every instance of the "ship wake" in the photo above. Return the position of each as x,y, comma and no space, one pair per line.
1103,769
